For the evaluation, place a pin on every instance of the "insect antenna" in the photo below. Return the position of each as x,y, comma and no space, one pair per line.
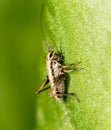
43,33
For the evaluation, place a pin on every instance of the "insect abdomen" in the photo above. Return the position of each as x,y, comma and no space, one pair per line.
60,88
54,71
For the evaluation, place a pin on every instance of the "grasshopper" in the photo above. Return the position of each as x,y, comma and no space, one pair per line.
56,74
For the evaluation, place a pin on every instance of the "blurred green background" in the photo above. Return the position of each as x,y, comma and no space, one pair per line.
20,48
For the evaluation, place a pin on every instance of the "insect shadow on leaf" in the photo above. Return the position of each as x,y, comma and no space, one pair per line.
67,81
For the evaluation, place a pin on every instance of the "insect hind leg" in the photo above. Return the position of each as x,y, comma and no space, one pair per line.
70,94
46,80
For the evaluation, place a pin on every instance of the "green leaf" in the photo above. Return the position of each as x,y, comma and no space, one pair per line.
82,31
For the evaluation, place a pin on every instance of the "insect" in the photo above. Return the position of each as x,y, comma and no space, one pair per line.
56,74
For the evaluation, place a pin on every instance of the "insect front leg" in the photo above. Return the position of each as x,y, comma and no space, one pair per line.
46,81
66,68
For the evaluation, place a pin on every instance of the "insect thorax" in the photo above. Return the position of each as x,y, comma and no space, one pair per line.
54,68
55,74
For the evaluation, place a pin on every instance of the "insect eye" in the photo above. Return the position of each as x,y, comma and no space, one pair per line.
50,55
54,62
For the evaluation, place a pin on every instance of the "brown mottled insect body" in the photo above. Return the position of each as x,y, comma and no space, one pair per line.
56,76
54,68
